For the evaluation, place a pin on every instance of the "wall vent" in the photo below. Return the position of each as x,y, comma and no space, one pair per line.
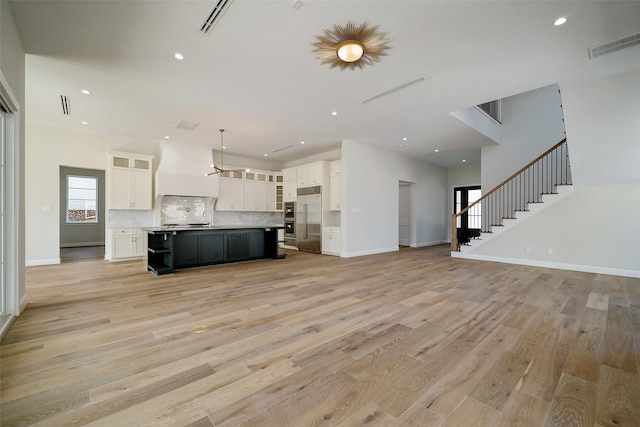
185,124
65,105
214,16
624,43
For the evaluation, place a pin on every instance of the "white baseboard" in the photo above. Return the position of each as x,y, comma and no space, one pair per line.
371,252
131,258
35,262
23,303
547,264
433,243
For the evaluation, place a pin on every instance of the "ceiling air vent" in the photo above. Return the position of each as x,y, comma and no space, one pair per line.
214,16
65,105
282,149
397,88
185,124
624,43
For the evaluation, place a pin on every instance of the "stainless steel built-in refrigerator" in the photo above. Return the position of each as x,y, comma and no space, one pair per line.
309,219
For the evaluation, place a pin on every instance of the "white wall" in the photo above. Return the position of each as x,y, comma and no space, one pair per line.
580,231
531,124
370,215
47,149
603,129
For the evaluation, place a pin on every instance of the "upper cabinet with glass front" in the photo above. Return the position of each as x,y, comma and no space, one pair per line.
130,181
139,162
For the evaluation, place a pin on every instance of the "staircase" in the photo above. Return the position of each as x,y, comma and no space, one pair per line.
536,186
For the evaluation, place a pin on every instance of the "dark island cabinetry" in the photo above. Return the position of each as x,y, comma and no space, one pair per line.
179,249
210,248
236,246
160,254
194,248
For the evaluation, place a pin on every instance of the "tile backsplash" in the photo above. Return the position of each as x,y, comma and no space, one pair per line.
247,218
185,210
122,218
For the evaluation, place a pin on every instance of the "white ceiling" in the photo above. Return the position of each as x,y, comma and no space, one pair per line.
255,75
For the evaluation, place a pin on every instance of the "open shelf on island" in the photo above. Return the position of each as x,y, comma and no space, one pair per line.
159,250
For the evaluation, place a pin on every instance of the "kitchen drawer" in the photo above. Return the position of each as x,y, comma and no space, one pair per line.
126,231
332,229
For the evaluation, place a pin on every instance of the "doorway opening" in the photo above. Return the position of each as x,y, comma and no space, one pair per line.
82,214
468,224
404,213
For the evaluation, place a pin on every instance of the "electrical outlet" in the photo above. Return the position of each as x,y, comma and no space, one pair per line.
549,251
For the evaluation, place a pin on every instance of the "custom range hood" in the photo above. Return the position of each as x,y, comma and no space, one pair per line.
182,171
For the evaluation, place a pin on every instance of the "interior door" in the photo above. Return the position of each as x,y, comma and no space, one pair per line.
469,223
404,214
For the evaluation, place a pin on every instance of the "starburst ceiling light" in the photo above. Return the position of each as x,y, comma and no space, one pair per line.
351,46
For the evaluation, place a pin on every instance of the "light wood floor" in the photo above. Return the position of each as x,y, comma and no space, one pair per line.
413,338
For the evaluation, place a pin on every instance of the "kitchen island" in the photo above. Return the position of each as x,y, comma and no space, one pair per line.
174,248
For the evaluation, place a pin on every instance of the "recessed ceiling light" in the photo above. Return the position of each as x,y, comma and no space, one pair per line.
224,147
464,161
301,142
265,154
400,146
178,56
334,113
404,139
85,123
86,92
436,150
166,137
560,21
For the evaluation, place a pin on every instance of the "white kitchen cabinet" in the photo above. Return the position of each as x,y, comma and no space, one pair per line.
130,181
248,191
126,243
130,189
310,175
279,192
255,196
335,167
138,162
290,175
290,191
231,195
335,182
271,192
334,193
331,241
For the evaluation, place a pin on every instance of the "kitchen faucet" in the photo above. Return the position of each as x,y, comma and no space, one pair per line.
208,217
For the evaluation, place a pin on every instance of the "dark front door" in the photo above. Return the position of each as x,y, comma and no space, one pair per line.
469,223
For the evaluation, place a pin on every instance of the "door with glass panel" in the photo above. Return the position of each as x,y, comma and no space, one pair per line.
469,223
